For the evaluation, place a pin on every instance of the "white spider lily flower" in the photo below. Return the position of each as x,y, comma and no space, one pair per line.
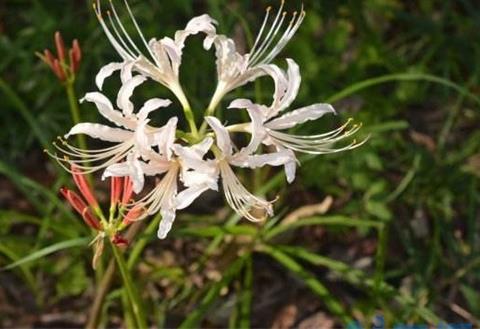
266,126
133,139
186,164
238,197
163,57
234,69
136,169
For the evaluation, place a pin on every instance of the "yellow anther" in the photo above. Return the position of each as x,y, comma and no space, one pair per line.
269,8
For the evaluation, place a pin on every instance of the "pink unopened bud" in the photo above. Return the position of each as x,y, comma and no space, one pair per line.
127,190
75,55
116,190
47,57
84,187
60,45
58,70
133,215
81,207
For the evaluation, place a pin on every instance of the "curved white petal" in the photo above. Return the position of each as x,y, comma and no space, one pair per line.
192,157
174,52
294,81
102,132
137,176
222,136
117,170
203,23
280,81
165,137
203,147
299,116
126,91
255,161
152,105
155,167
126,72
106,72
187,196
168,216
105,108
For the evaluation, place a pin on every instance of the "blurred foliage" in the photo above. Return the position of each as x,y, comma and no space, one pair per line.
417,176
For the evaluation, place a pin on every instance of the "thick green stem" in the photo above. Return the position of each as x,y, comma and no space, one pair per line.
129,286
75,112
142,242
187,110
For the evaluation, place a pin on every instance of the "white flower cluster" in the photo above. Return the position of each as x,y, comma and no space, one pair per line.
201,158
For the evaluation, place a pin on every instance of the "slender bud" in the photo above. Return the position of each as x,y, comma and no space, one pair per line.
116,190
48,58
76,54
60,45
58,70
84,187
133,215
127,190
81,207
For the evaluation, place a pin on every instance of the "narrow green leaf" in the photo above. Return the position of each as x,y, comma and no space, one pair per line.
22,108
325,220
246,295
352,89
30,187
213,231
194,318
310,280
359,278
28,275
80,242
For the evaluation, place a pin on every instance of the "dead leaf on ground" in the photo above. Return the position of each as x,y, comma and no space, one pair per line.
285,319
317,321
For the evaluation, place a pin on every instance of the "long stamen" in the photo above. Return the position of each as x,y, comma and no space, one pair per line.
109,157
260,33
160,195
262,51
129,39
272,28
121,51
242,201
137,27
289,33
119,36
318,141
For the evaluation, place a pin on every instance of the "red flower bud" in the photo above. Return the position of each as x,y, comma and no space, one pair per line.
60,45
58,70
84,187
76,55
81,207
127,190
116,190
133,215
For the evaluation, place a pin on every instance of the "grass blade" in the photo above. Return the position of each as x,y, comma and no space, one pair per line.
17,102
246,295
80,242
359,278
325,220
193,320
310,280
352,89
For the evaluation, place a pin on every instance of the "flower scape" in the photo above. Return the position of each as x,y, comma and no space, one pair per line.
185,164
